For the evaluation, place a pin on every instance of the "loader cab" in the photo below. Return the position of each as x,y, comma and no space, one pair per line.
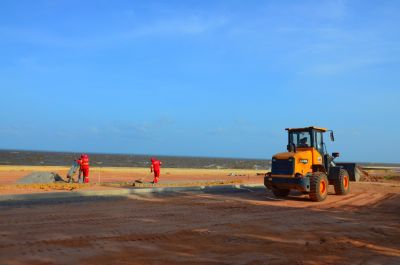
311,138
304,138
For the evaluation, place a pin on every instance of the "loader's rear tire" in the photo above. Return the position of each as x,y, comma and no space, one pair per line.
318,186
280,192
342,183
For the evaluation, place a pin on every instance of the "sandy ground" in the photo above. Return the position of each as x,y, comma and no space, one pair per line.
245,227
9,175
99,177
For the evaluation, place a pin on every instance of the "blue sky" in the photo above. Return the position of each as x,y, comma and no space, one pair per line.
200,78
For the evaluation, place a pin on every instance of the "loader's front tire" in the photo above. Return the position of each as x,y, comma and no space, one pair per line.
342,183
280,192
318,186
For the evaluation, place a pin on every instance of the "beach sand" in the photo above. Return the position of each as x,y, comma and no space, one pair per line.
9,175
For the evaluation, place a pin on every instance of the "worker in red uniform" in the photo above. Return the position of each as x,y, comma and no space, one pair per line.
84,167
155,167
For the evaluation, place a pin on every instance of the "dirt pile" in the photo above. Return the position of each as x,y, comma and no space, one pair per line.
41,177
379,174
365,176
361,172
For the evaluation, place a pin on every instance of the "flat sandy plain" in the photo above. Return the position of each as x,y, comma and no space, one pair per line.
248,226
9,175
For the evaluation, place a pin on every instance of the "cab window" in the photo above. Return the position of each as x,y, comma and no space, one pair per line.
319,142
300,139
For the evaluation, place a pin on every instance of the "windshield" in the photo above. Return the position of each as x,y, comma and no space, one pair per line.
300,139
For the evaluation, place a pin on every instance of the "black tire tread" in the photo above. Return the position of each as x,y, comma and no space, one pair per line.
338,184
314,186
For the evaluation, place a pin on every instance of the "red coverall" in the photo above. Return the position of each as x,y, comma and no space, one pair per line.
155,167
85,168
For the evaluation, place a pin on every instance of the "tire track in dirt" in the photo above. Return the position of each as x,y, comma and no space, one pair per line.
33,247
352,200
349,201
237,228
386,197
295,203
68,220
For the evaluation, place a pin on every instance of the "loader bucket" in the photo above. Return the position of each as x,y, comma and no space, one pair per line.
353,170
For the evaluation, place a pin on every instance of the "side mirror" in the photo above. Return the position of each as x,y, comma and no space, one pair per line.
335,155
332,137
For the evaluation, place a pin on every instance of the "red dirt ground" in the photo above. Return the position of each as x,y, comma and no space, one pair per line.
249,227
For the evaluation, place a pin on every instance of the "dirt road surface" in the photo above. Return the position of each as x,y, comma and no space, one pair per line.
244,227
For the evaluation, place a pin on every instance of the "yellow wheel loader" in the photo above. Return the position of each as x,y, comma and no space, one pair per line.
307,166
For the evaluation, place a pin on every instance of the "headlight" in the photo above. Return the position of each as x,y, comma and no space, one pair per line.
304,161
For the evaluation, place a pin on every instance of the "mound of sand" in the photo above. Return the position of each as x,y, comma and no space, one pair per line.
40,177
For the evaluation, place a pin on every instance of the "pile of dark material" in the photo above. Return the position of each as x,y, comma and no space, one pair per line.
41,178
